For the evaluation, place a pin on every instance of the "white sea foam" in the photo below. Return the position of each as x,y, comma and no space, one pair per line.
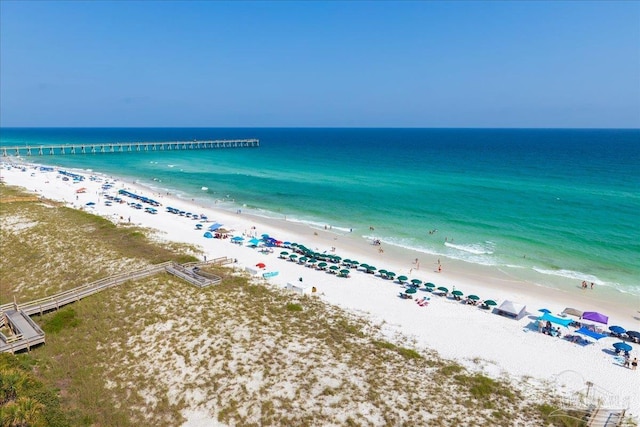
569,274
485,248
590,278
467,256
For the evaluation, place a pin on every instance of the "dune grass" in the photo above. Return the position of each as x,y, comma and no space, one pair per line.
47,248
141,353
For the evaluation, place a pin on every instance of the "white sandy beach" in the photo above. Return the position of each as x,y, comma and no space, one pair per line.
478,339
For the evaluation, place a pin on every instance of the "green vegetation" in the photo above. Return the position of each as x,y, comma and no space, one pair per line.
24,400
47,248
294,307
407,353
65,318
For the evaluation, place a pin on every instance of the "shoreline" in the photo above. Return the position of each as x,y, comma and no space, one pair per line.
462,274
474,337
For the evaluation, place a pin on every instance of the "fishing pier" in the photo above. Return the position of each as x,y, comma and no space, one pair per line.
124,147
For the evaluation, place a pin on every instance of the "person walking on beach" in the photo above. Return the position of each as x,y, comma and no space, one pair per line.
634,364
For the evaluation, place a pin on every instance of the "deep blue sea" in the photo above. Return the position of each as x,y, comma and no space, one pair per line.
548,205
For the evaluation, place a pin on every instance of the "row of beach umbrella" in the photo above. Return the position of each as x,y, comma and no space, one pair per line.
304,255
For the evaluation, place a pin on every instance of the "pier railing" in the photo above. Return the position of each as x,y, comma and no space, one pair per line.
124,147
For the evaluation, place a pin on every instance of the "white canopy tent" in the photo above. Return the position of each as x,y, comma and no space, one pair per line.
512,309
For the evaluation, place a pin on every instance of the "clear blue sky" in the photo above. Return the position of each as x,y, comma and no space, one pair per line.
337,64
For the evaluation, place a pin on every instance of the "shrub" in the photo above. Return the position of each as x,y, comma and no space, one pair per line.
293,307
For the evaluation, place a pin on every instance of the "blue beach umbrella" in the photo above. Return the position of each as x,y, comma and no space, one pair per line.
622,346
617,330
633,334
544,310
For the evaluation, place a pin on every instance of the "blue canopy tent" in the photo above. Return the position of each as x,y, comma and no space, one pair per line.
208,235
215,226
591,334
557,320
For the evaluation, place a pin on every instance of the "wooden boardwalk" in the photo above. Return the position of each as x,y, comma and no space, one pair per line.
26,333
125,147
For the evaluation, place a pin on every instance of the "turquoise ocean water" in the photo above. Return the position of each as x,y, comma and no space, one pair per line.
551,206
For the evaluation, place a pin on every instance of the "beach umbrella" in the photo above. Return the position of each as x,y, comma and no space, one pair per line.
622,346
391,274
261,265
322,264
303,259
443,289
544,310
283,254
457,293
416,282
346,261
402,279
371,268
617,330
334,268
313,261
473,297
382,272
490,302
293,256
345,272
633,334
354,263
430,285
411,291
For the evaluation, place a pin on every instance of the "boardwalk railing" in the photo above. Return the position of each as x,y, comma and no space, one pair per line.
72,295
125,147
19,342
